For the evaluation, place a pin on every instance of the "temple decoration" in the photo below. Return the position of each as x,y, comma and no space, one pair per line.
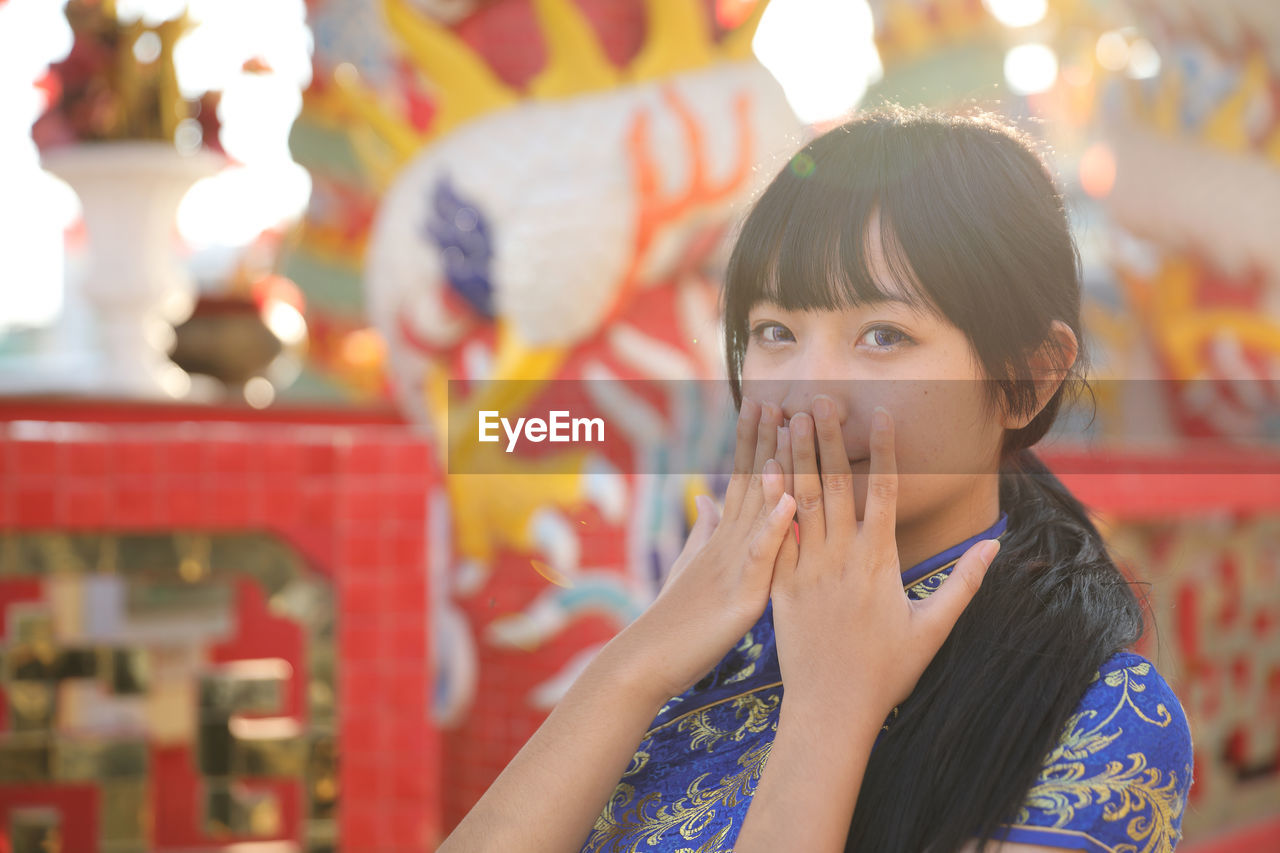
517,214
1194,151
1198,261
120,133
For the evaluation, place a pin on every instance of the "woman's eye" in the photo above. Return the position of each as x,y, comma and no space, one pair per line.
884,337
772,333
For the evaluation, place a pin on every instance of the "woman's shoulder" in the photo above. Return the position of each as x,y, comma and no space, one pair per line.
1121,770
1131,702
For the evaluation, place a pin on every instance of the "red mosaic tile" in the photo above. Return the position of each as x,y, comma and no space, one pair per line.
359,550
136,458
86,459
134,502
316,504
357,643
35,505
183,501
281,459
411,458
77,806
360,771
409,502
87,506
409,693
366,459
230,457
17,591
411,829
410,784
316,543
361,597
183,457
261,633
410,637
366,500
320,460
358,825
406,546
37,459
228,505
358,681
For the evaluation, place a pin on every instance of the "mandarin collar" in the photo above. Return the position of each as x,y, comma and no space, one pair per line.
944,559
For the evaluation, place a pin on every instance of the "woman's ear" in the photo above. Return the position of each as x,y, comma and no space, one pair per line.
1049,365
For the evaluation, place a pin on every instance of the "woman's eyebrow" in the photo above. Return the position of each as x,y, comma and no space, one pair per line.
895,299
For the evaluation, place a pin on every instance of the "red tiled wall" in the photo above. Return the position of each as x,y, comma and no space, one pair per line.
351,499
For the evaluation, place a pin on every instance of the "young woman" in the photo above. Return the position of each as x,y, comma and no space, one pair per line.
875,678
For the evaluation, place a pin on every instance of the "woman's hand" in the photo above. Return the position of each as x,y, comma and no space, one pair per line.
851,644
850,641
552,792
720,583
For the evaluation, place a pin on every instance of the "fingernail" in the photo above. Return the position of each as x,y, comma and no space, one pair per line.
988,550
823,408
800,423
772,469
880,419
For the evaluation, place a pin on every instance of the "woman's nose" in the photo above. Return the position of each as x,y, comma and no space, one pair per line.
802,393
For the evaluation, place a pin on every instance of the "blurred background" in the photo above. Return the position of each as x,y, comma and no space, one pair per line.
254,253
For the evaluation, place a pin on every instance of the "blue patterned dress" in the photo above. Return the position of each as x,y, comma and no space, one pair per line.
1117,780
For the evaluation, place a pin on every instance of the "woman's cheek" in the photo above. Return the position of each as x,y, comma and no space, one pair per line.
762,381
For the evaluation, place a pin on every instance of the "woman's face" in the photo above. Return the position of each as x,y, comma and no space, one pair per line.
919,367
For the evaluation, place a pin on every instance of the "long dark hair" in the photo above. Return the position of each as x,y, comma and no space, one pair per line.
975,230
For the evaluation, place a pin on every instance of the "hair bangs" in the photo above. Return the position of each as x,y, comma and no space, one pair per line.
810,249
809,245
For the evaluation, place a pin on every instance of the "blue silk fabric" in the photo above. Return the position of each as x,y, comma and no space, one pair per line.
1117,780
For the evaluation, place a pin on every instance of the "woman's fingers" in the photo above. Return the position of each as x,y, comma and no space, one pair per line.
808,484
767,435
784,567
773,522
743,456
766,445
770,483
837,478
699,534
879,517
704,525
783,455
938,613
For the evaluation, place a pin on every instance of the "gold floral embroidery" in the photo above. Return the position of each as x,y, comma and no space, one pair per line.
751,651
1124,676
642,826
706,733
716,844
927,586
1137,792
638,762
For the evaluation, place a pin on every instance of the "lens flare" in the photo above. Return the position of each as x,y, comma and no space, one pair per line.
1030,68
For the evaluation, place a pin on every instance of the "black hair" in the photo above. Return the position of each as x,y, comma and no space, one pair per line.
974,229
